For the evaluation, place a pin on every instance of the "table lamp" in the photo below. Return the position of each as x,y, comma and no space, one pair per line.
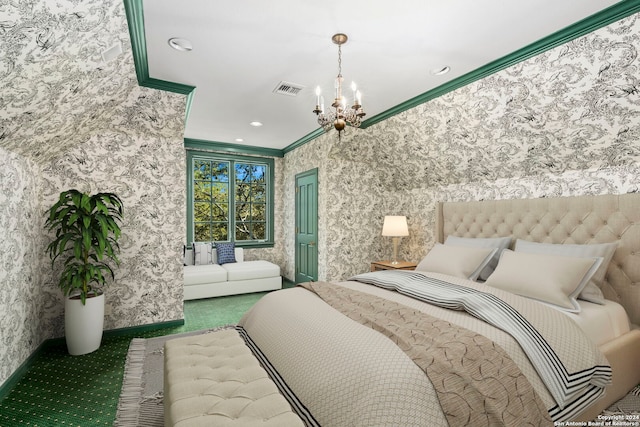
396,227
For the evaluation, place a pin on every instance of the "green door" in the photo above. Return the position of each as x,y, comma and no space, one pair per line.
307,226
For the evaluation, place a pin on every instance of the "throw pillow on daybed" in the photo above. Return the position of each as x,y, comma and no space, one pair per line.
202,253
187,255
226,252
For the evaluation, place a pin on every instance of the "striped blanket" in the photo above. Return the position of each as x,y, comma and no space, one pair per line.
573,385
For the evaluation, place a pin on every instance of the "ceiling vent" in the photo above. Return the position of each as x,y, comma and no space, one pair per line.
289,89
112,53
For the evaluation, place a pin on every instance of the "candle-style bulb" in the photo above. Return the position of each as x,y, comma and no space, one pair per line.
353,90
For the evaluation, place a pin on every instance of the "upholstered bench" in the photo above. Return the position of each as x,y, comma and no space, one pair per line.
213,379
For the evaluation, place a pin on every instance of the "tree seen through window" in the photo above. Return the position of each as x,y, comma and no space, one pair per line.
229,200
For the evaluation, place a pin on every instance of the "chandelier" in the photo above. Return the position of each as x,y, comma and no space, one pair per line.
340,115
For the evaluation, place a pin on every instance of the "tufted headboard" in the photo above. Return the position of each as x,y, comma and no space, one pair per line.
583,219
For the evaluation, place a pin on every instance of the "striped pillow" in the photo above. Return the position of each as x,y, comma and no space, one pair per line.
202,253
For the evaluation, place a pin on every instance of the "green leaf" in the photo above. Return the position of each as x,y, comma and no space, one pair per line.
102,207
76,198
77,248
73,218
104,225
101,245
85,202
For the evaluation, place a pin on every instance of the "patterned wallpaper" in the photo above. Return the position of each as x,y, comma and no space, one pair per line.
56,88
68,120
22,327
566,122
143,162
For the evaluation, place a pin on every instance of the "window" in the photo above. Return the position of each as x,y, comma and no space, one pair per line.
230,198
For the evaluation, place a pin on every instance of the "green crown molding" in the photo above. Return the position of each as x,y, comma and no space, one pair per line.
598,20
135,19
188,106
201,144
309,137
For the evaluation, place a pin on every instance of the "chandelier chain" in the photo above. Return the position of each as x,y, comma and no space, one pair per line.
339,60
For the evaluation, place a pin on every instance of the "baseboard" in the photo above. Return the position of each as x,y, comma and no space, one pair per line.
143,328
17,375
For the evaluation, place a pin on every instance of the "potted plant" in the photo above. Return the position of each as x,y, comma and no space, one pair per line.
86,241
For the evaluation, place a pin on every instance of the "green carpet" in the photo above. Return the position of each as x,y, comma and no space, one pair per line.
83,391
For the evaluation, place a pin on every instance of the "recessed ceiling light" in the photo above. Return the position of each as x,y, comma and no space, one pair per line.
182,45
239,140
256,124
441,71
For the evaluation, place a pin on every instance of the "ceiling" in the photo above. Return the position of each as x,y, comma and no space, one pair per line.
243,49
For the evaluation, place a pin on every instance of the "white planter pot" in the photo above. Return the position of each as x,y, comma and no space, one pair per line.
83,324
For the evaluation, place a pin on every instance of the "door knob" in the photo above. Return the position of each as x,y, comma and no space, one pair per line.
312,244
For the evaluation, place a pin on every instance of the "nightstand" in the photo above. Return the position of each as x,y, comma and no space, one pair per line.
386,265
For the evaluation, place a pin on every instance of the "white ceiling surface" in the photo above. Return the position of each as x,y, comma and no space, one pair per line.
242,49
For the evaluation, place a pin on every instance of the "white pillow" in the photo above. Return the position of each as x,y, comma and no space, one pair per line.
187,255
458,261
202,253
501,243
591,292
548,278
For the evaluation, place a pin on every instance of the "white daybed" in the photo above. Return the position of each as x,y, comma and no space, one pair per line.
240,277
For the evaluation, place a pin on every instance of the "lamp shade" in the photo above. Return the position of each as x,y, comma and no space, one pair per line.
395,226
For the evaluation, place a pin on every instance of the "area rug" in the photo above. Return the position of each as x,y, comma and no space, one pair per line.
140,403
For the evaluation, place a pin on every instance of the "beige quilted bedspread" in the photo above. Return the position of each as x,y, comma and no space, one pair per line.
476,382
348,374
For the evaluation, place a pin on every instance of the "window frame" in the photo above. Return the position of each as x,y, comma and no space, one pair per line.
232,159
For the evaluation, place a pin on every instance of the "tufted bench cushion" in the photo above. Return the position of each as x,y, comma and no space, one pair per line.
213,379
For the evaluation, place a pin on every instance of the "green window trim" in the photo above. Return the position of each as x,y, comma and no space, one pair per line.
232,159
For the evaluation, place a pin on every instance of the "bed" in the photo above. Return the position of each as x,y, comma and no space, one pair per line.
338,365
